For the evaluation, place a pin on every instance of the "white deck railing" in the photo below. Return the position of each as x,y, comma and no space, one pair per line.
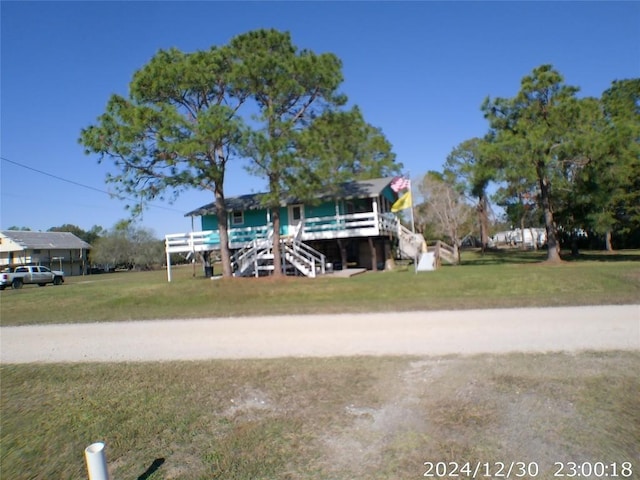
253,242
191,241
314,228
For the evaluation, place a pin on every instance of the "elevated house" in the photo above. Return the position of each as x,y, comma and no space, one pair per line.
351,227
56,250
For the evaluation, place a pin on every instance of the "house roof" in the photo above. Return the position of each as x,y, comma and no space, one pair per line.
354,189
45,240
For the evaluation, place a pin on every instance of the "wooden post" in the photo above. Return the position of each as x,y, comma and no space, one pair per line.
168,263
389,263
376,214
343,253
374,259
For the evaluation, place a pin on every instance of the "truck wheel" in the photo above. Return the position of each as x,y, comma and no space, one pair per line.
58,280
17,283
2,287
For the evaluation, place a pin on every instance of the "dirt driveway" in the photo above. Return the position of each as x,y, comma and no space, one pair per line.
411,333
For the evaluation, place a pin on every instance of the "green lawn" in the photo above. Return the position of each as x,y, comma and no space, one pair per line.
316,419
504,279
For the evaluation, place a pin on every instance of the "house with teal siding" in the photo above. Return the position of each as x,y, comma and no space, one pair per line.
351,227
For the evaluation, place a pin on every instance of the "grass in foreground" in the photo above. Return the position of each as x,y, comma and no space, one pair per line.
506,279
355,418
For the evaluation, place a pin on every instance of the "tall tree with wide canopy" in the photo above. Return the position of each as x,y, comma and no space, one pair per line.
290,89
517,192
176,130
583,146
611,180
257,98
471,171
340,146
533,137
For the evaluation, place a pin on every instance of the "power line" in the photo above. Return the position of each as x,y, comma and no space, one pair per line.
78,184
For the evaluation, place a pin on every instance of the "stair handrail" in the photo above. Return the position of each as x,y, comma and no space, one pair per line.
299,231
247,255
410,243
307,255
315,254
244,257
408,234
304,265
446,251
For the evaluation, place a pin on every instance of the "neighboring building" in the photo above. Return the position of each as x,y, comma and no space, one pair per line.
352,227
56,250
529,237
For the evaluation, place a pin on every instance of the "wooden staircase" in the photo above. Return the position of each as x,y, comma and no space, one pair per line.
253,259
256,259
445,252
410,245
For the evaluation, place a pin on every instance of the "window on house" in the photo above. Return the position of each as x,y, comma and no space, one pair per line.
296,212
237,218
351,208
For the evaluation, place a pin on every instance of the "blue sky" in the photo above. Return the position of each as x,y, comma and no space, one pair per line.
418,70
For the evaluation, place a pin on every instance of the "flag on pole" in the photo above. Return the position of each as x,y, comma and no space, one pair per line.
400,183
403,202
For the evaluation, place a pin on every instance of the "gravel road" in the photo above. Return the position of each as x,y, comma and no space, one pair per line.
404,333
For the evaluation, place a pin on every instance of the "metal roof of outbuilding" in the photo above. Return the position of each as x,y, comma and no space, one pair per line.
45,240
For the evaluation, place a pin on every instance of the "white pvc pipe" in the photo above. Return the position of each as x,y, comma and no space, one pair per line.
96,461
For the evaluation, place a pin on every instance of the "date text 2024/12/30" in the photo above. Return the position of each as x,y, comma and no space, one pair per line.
527,469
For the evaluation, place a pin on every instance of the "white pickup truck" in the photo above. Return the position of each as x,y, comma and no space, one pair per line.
23,275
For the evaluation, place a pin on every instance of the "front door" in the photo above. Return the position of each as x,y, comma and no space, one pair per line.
296,215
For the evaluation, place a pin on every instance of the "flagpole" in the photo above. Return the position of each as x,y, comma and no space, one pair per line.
413,225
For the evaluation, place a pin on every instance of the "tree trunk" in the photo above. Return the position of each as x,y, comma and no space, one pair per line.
553,245
483,220
455,243
522,245
277,255
206,261
607,241
374,259
534,240
574,245
389,263
343,253
221,213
